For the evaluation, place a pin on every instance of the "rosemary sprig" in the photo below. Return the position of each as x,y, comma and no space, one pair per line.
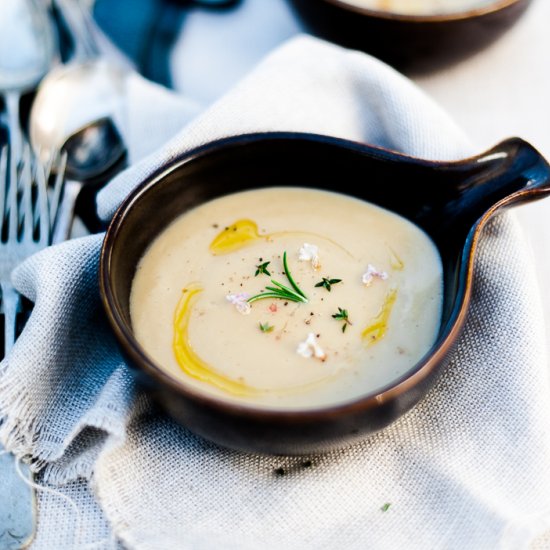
266,327
294,294
342,315
327,283
262,268
291,280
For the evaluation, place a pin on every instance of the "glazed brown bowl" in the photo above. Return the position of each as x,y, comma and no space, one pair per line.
450,201
412,43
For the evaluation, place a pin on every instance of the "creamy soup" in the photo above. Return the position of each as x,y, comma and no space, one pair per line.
421,7
357,305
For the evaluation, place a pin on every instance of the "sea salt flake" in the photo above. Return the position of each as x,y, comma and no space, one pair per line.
310,348
310,253
371,273
240,302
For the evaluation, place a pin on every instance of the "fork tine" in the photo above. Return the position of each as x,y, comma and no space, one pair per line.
3,183
57,189
26,200
12,204
42,205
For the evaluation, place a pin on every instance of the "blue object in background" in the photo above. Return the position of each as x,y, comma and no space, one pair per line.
145,30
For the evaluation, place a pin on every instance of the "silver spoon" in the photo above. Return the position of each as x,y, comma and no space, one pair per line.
94,154
70,97
28,49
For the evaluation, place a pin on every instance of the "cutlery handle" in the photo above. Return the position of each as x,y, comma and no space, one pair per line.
81,26
10,302
65,214
14,128
86,207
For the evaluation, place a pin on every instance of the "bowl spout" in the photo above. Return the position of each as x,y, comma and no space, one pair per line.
509,174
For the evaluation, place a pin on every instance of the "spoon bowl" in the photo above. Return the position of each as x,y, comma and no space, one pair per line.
93,150
450,201
58,111
93,154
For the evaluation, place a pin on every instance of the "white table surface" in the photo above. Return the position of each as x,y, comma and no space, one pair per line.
501,92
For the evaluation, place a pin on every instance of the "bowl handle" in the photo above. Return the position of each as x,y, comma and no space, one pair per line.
511,173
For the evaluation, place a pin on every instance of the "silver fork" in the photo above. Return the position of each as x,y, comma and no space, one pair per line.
24,228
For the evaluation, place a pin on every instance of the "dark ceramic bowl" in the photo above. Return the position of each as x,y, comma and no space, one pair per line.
450,201
410,43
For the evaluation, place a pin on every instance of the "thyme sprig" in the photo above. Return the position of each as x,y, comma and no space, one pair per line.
280,291
342,315
327,283
266,327
262,268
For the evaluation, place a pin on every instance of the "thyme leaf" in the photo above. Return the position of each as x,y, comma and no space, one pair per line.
342,315
327,283
262,269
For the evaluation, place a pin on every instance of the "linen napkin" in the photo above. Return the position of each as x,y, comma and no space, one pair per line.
467,468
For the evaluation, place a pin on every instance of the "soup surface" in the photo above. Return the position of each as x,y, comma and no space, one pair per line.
357,305
421,7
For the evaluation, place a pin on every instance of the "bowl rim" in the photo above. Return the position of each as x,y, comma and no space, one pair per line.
470,13
373,399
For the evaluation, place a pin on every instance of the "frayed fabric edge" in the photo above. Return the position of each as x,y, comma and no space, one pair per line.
19,429
20,432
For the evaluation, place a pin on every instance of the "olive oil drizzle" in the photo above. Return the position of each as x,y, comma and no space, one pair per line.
235,236
378,328
186,356
245,232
